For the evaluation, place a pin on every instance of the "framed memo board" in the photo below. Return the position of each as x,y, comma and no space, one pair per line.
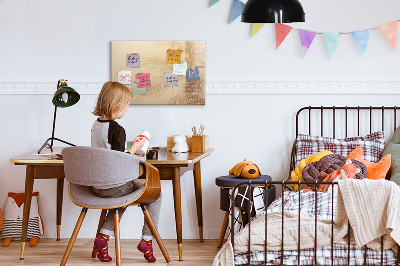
161,72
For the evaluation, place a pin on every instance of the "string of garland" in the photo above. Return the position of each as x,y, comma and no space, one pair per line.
361,37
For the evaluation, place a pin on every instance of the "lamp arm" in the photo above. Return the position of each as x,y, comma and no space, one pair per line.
54,118
54,126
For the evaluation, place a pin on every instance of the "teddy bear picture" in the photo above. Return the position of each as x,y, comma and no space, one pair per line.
12,221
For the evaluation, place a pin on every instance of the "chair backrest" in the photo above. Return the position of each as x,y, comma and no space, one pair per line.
91,166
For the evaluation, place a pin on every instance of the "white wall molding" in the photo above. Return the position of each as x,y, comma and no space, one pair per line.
233,87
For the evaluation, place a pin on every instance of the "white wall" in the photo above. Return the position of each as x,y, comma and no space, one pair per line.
42,41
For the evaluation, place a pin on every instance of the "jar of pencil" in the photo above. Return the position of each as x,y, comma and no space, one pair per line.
199,140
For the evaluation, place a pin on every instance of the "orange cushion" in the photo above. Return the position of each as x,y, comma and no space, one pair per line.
375,170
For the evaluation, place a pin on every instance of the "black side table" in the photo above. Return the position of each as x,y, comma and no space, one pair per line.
226,183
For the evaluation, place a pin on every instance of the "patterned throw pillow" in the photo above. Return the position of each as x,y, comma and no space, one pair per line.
372,145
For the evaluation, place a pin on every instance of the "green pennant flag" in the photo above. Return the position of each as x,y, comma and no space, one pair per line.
332,41
213,2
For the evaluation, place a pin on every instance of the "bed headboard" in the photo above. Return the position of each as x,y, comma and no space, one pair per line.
344,121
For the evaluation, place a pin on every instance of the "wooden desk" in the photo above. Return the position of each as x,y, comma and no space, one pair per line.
40,167
168,164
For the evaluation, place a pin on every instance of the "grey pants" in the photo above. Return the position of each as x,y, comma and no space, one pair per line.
154,208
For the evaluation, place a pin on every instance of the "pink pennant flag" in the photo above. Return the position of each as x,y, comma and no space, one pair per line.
281,31
306,39
389,30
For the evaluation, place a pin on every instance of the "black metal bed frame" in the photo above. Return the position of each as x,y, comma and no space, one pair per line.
283,184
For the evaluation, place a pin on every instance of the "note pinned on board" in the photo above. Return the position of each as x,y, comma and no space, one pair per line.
180,69
136,90
170,79
144,80
125,77
133,60
192,74
174,56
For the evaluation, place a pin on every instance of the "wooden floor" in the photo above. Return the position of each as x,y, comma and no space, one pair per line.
50,252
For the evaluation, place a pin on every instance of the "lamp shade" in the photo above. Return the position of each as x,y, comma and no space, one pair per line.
273,11
65,96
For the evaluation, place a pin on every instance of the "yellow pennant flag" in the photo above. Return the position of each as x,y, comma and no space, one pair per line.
256,27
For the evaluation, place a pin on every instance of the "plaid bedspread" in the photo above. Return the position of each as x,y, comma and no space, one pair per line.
307,202
324,257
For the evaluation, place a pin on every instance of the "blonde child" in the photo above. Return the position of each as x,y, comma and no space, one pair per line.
112,104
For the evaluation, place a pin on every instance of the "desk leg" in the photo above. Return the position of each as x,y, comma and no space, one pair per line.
27,206
60,190
176,182
199,204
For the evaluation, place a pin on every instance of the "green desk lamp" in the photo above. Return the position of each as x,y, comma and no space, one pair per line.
65,96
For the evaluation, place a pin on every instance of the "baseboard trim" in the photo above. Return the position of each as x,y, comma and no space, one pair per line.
230,87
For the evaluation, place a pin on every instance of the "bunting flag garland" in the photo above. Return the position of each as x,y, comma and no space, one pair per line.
361,37
281,31
332,41
213,2
237,9
389,30
306,39
256,27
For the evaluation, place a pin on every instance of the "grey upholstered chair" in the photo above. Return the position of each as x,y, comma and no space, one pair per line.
85,167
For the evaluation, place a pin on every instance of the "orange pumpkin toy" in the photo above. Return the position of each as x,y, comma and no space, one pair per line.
245,169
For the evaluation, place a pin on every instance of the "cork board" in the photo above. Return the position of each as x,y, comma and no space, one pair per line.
152,58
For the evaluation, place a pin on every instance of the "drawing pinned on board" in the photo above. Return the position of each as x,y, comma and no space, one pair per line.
180,69
133,60
125,77
144,80
170,79
173,56
192,74
136,90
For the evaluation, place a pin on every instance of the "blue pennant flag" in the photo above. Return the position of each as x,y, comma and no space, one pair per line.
213,2
332,41
361,37
237,9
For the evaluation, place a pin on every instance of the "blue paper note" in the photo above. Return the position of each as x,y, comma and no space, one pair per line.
192,74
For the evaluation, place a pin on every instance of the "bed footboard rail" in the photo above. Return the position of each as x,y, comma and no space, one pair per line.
282,257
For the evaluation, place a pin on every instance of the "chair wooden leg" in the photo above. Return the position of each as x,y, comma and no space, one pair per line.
154,230
73,237
223,229
117,239
101,222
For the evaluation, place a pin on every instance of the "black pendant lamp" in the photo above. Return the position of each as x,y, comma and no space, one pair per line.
273,11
